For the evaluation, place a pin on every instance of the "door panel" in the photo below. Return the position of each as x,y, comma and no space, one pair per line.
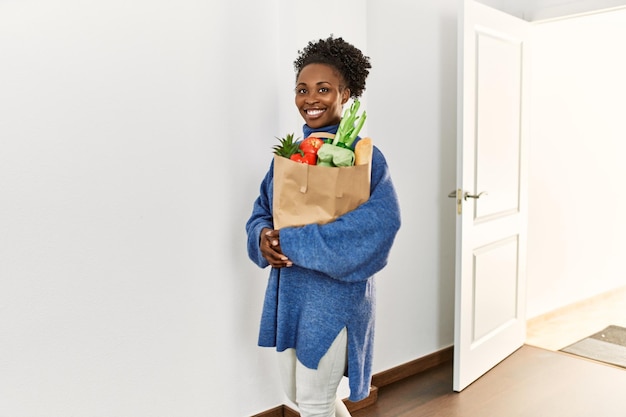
498,80
492,180
495,271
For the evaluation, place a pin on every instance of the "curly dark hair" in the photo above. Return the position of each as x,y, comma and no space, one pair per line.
348,60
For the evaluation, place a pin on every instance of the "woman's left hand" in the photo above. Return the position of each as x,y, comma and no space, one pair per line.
271,250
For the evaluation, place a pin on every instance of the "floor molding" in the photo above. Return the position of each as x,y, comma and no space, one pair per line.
575,306
379,380
274,412
414,367
289,412
366,402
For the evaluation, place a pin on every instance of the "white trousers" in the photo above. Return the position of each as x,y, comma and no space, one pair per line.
314,391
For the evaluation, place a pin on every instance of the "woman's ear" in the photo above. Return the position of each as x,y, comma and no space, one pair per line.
345,95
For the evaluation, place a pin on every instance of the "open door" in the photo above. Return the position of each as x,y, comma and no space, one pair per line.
491,193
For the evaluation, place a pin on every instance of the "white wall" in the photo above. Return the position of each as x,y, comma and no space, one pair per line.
577,232
125,179
412,117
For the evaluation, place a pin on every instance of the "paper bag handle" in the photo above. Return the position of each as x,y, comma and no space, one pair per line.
323,135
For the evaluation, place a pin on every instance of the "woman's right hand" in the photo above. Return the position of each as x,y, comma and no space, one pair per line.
271,250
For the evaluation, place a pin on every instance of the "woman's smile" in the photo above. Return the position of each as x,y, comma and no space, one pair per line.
314,113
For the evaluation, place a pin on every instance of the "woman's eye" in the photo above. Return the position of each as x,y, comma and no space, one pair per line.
323,90
300,91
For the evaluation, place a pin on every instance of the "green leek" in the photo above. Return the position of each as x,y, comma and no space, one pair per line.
339,152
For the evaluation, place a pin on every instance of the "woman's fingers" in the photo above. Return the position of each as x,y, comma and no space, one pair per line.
271,250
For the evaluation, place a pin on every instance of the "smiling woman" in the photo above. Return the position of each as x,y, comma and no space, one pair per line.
320,299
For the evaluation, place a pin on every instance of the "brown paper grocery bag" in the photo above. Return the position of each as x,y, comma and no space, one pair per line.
305,194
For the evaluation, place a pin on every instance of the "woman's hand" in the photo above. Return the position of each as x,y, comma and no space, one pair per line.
270,249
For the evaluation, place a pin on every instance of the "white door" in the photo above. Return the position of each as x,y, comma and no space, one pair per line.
491,191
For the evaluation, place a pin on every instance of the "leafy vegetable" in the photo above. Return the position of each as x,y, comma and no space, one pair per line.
335,156
287,146
339,152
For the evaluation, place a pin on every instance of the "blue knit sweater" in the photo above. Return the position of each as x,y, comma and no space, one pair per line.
331,283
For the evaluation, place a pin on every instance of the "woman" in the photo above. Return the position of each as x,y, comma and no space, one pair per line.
320,298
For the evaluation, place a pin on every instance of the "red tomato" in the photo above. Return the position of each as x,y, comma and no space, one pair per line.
307,158
311,144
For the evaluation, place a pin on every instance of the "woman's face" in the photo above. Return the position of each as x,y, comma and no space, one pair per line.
320,95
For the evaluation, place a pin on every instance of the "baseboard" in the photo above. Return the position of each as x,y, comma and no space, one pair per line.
619,292
379,380
274,412
412,368
286,411
289,412
366,402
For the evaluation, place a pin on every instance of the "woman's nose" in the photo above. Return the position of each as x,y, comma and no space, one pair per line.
311,98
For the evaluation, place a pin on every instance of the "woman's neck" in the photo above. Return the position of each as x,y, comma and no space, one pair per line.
329,129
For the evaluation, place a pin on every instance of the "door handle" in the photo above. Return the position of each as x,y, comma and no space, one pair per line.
453,194
476,197
457,195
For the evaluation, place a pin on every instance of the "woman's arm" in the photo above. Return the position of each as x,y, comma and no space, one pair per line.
260,219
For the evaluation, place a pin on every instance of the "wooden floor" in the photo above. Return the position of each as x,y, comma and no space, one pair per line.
535,381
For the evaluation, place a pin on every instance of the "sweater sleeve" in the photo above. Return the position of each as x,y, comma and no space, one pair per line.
356,245
260,218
